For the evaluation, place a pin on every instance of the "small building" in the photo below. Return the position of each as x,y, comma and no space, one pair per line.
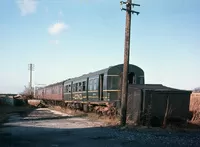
148,102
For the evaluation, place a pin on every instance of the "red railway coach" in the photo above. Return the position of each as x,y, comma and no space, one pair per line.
51,92
39,93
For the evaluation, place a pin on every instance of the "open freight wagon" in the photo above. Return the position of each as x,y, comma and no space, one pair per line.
148,102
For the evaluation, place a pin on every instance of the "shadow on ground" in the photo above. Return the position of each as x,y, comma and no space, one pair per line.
37,128
74,137
6,111
69,132
24,136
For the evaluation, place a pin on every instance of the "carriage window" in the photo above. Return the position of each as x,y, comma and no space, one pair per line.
59,90
84,86
52,90
79,86
91,84
95,84
114,82
55,90
69,88
76,88
66,88
134,79
141,80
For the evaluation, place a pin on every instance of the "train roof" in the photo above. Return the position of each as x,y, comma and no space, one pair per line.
57,83
105,70
50,85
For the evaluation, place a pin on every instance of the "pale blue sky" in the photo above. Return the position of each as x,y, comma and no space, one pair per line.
89,35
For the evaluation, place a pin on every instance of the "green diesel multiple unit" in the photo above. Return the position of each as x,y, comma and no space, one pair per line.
101,86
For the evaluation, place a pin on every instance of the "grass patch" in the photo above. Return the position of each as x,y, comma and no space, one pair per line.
91,116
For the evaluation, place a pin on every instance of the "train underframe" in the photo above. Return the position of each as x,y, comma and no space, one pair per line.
108,109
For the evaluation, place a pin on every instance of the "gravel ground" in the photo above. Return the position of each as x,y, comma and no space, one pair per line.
44,127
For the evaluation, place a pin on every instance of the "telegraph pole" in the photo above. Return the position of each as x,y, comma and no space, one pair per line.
31,68
128,10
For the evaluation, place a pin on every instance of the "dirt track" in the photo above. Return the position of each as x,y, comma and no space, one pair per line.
44,127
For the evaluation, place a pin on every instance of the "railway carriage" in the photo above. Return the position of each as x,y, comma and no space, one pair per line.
51,92
96,88
39,92
101,86
98,91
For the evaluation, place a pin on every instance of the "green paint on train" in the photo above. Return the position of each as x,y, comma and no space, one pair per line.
102,85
